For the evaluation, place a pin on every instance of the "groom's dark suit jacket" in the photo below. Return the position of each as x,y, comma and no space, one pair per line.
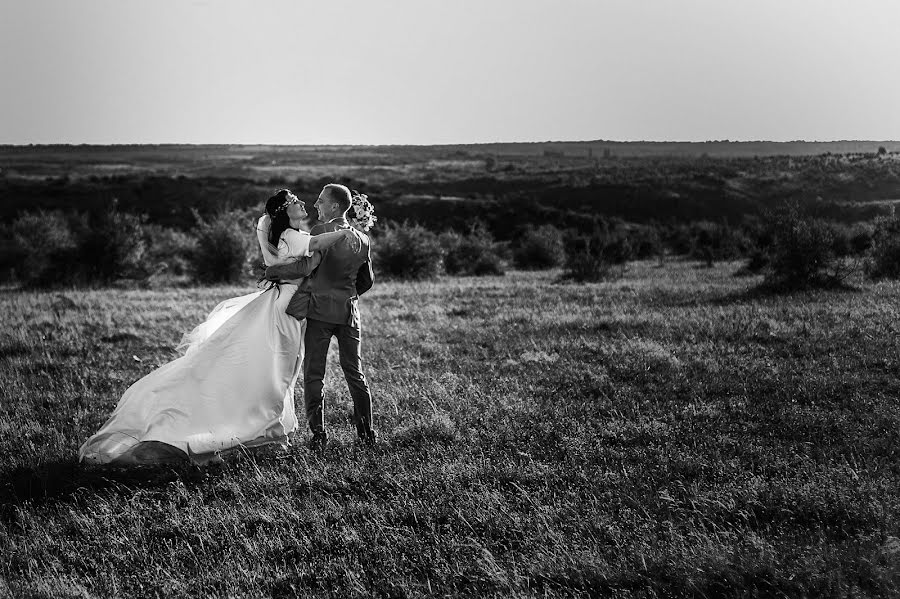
331,293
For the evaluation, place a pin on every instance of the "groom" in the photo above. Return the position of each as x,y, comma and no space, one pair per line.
328,299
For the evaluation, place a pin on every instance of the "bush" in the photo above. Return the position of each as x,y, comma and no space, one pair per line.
646,242
884,255
474,254
112,246
170,250
711,242
11,254
802,252
223,248
407,252
489,264
617,248
757,262
53,249
597,257
861,237
540,248
679,239
841,240
45,249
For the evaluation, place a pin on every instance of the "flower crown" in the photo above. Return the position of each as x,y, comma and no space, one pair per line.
291,199
362,213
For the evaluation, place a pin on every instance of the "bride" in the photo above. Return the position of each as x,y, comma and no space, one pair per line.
234,385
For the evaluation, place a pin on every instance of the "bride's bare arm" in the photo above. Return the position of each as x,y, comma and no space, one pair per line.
323,241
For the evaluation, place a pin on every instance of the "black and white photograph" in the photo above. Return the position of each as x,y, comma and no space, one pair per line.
423,298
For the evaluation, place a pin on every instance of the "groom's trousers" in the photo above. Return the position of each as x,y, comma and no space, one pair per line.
317,339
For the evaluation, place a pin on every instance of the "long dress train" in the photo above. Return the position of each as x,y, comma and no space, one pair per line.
233,387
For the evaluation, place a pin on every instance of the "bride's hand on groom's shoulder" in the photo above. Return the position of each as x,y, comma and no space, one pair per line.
353,239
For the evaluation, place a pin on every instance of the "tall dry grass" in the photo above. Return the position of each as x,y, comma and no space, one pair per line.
665,434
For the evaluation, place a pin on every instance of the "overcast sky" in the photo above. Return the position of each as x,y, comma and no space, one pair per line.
451,71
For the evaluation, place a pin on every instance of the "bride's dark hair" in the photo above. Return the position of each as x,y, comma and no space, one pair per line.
275,208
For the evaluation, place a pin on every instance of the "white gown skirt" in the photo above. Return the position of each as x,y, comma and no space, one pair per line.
234,387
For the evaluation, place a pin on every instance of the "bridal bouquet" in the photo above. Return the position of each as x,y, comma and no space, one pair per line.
362,213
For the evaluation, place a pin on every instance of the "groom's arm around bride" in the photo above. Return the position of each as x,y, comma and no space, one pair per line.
280,273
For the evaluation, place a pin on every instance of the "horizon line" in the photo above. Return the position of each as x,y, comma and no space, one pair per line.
478,143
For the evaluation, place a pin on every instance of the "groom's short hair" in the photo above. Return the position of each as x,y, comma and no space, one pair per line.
339,194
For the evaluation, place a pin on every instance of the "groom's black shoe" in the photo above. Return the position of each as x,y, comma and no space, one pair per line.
318,442
368,437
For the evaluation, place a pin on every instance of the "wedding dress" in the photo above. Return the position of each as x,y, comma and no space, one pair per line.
233,387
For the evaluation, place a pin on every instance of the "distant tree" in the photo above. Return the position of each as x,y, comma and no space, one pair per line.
882,151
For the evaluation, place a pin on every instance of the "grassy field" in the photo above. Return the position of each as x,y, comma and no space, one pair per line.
667,434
